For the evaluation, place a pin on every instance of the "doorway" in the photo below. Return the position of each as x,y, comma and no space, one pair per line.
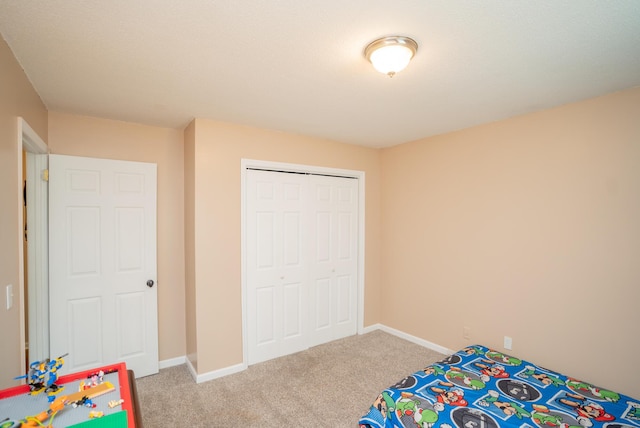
33,256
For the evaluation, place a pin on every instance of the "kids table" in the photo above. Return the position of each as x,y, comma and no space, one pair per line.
92,394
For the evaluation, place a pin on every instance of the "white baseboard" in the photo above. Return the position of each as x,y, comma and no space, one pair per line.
410,338
215,374
371,328
172,362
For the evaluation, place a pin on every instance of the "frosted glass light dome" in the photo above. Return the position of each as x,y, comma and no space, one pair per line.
389,55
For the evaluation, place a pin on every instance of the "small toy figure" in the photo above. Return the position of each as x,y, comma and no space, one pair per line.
95,414
42,375
52,367
96,378
84,401
115,403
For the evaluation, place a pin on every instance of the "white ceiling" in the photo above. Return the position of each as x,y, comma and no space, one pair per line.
298,65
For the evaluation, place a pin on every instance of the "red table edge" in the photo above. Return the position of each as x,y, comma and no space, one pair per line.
125,393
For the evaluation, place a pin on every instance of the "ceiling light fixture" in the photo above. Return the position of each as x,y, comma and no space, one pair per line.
391,54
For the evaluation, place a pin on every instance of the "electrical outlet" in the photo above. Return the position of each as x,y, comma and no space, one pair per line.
9,296
466,332
508,342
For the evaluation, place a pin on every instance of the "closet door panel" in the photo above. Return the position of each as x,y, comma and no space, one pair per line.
334,261
276,265
301,255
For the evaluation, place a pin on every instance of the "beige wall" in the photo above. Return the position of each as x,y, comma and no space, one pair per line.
190,242
528,227
108,139
17,98
219,148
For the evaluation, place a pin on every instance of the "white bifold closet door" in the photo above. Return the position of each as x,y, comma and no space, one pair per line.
301,237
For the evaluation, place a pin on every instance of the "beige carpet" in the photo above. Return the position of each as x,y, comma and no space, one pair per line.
331,385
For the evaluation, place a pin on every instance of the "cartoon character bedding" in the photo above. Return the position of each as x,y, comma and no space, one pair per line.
479,387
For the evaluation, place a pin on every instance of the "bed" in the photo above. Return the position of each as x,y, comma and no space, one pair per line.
480,387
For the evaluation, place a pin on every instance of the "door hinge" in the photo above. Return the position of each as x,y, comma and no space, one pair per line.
45,175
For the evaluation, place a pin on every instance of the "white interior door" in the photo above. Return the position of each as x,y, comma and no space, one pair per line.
301,255
103,305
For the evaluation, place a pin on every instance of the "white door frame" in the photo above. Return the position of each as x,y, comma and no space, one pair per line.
289,167
37,248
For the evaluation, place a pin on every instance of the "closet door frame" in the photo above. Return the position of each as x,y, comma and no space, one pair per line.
298,168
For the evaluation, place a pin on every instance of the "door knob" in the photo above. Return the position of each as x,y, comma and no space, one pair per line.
150,283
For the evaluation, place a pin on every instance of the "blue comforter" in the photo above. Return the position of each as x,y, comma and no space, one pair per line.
479,387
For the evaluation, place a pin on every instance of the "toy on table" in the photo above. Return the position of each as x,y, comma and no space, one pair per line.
42,375
9,423
52,368
113,403
97,378
37,420
84,401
